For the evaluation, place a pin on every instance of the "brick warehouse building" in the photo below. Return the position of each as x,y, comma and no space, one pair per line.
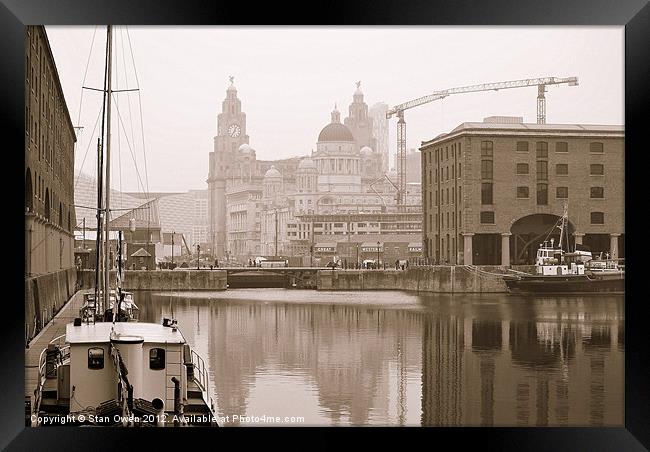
492,190
49,162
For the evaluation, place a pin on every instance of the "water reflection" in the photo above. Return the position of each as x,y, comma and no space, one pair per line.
389,358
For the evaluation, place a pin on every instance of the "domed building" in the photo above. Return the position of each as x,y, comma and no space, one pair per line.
272,183
336,158
274,207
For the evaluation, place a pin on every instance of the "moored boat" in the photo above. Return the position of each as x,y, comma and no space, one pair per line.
561,272
109,368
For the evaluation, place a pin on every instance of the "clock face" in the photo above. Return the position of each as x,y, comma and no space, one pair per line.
234,130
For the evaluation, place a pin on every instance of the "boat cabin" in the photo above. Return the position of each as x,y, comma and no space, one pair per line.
554,261
151,353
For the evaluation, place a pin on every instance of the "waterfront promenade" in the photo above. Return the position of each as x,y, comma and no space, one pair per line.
56,327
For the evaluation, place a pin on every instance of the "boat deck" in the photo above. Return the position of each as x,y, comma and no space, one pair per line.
55,328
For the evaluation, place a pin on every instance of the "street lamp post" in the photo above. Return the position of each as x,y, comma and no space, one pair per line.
173,232
378,244
198,255
357,255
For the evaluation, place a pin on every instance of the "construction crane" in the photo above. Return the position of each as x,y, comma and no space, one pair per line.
381,179
398,111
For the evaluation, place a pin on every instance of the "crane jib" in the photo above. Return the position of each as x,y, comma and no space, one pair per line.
571,81
401,124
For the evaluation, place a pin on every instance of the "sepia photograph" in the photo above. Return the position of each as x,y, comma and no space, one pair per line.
379,229
304,226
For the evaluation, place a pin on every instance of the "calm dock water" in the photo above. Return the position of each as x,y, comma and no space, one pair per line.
396,358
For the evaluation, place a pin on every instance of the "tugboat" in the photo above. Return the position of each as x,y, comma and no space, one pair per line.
560,272
109,368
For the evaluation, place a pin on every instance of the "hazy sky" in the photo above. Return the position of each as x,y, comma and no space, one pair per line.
289,78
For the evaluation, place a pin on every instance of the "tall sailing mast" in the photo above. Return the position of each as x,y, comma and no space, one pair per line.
107,94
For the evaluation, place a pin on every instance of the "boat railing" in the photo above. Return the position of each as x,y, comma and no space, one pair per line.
199,371
64,353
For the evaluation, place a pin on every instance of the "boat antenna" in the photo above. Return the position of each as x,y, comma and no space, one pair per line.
565,215
107,95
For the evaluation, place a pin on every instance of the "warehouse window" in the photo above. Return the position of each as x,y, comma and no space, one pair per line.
597,218
487,148
562,169
562,192
596,148
542,150
542,170
597,169
597,192
522,192
486,193
561,146
522,168
486,169
542,194
522,146
487,217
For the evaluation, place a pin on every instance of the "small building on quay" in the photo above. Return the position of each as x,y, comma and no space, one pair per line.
492,190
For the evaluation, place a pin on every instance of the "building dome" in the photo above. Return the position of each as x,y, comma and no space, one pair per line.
245,148
307,164
273,173
335,132
366,151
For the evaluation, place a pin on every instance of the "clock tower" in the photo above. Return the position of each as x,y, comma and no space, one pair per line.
231,133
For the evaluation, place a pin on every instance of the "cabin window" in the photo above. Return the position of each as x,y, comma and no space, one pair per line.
157,358
95,358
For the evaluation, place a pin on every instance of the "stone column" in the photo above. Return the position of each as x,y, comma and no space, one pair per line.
578,237
613,245
467,246
505,249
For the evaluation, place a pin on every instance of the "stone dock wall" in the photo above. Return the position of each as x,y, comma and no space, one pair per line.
435,279
45,295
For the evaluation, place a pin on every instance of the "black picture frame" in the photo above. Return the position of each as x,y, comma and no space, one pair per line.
633,14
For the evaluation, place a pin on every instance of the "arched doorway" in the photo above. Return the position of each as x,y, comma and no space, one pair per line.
529,231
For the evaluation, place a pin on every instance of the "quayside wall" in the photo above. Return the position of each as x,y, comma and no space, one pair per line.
438,279
180,280
45,295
